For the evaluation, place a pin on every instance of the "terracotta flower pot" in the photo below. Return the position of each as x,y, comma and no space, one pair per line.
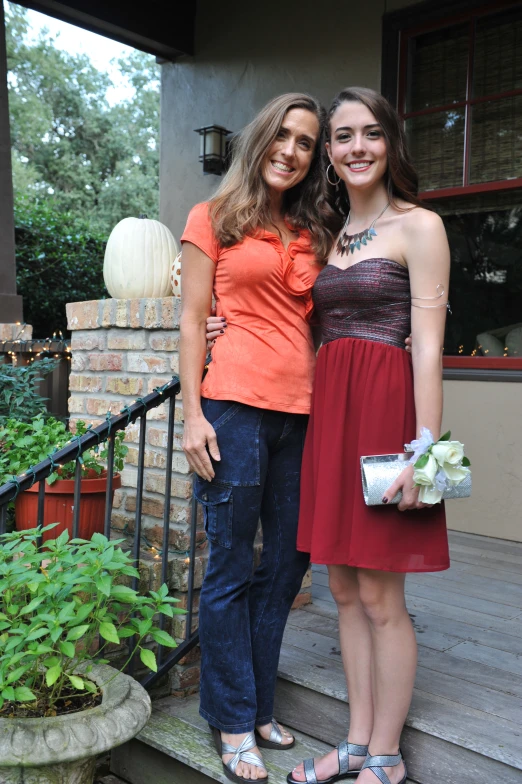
59,506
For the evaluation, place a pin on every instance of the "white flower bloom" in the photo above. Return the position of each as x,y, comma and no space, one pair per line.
455,474
450,452
430,495
426,475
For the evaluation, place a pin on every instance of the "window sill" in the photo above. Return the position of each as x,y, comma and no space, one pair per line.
482,369
484,363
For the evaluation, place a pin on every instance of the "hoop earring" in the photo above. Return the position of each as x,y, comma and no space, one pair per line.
335,184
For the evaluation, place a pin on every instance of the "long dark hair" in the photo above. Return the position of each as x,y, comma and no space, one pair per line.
241,205
401,178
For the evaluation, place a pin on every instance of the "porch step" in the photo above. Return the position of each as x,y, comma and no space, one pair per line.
444,741
176,748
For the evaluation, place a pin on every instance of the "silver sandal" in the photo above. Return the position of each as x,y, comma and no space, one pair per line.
377,763
275,740
241,754
344,750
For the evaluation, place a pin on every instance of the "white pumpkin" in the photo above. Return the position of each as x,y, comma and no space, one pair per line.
138,259
175,276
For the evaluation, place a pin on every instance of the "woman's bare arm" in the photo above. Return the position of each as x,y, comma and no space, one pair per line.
197,278
428,258
429,266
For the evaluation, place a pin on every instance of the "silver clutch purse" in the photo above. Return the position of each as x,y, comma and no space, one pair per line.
378,472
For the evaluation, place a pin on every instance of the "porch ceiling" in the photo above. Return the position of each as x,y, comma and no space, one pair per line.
164,28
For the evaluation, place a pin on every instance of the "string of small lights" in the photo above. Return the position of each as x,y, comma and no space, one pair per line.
40,348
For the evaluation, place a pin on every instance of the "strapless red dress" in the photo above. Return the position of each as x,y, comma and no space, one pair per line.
363,404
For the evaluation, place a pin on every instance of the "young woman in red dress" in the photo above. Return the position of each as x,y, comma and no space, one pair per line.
371,397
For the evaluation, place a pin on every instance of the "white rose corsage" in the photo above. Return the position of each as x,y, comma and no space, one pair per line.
437,465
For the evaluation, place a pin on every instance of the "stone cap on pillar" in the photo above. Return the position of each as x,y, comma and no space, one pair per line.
17,331
158,313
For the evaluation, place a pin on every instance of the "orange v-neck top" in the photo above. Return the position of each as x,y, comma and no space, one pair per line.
266,357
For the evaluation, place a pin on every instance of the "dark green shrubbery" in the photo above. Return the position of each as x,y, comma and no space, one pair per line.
59,259
19,396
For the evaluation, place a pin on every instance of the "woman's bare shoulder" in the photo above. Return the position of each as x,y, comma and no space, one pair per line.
417,220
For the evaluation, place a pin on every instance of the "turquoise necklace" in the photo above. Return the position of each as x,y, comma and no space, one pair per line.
351,242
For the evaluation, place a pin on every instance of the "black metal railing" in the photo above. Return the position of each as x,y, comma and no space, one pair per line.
73,451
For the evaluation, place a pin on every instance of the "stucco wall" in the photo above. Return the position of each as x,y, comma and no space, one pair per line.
487,418
245,55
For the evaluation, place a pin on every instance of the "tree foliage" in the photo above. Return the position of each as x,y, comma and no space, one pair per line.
68,143
80,165
59,259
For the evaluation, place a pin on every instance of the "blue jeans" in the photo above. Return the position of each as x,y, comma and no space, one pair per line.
242,612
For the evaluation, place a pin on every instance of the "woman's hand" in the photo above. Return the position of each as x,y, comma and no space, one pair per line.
408,342
410,493
216,326
199,434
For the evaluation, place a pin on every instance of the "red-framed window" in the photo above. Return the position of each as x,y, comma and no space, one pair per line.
460,95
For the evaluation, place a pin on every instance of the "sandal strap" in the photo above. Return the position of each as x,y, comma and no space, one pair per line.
344,749
309,771
276,736
242,753
378,762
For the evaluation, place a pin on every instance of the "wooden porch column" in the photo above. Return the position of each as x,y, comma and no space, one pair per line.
10,302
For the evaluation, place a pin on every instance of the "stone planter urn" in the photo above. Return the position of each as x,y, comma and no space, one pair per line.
63,749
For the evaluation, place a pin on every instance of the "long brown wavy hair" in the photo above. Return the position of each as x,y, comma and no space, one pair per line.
401,178
241,205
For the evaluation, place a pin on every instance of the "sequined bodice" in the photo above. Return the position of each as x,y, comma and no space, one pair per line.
370,300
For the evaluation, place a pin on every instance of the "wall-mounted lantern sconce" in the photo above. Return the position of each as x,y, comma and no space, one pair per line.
213,148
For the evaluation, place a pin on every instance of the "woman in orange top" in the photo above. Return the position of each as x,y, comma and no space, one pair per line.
254,247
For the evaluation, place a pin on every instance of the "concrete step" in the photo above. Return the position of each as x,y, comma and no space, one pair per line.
443,742
109,780
176,748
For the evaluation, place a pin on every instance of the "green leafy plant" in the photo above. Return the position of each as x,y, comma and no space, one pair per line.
55,604
19,396
23,444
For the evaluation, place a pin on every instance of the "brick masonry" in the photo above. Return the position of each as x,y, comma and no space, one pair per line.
121,350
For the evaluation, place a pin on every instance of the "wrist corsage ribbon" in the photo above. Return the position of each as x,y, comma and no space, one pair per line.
438,465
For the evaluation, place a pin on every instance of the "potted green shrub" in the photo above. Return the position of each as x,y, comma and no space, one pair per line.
60,703
24,444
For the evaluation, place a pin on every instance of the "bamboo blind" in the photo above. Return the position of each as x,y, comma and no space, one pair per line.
498,54
496,140
437,146
438,68
438,72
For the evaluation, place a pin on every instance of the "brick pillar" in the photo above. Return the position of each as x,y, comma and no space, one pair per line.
121,350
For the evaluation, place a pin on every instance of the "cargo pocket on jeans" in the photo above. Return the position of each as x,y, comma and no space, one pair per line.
217,511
